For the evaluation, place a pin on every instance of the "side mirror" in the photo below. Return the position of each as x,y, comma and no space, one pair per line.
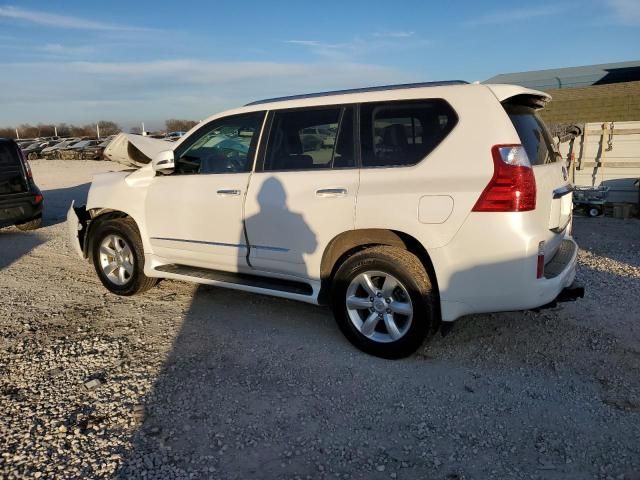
163,162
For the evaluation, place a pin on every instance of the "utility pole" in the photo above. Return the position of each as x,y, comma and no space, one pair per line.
17,135
144,133
98,129
55,131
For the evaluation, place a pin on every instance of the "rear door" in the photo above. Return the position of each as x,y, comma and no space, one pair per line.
303,192
12,175
554,197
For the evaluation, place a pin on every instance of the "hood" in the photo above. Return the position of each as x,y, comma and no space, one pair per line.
135,150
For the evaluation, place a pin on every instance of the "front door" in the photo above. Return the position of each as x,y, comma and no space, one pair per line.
194,215
303,192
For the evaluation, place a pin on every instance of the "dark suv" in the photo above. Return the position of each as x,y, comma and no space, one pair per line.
20,198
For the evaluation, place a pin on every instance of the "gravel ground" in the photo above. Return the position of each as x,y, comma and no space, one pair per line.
189,381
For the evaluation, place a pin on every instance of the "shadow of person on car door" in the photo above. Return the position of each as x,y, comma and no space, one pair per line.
278,237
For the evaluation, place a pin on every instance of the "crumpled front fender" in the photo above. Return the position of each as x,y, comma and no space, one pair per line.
77,226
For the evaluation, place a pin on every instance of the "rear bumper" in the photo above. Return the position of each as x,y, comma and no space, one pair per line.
559,274
20,208
491,265
512,286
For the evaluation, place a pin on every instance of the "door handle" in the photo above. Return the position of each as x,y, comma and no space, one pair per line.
228,193
331,192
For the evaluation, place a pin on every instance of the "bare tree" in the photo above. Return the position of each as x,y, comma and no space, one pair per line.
176,125
27,130
107,127
63,130
45,130
136,130
7,132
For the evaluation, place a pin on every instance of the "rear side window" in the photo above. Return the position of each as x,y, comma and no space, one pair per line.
533,134
320,138
403,133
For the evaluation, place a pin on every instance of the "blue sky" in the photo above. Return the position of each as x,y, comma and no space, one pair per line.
78,61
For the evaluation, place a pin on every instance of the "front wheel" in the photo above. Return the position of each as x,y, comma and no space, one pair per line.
594,211
382,301
118,257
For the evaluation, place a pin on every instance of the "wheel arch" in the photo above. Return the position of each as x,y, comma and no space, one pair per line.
97,215
347,243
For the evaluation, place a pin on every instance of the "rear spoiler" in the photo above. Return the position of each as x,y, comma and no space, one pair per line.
520,95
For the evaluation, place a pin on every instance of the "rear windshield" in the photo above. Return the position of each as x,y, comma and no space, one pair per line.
8,155
11,175
533,134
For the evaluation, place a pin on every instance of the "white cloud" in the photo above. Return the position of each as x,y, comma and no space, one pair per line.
514,15
394,34
57,49
59,21
153,91
331,51
306,43
362,48
626,12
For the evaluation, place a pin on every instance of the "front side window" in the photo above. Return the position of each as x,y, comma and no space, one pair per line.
311,139
226,145
403,133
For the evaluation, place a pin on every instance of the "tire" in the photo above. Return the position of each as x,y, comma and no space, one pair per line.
594,211
120,236
413,288
32,224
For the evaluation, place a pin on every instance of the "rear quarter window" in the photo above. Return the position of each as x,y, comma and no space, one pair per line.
400,133
533,133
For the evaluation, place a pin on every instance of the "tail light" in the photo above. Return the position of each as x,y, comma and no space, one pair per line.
513,185
27,167
37,199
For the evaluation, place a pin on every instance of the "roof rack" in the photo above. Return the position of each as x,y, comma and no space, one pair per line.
401,86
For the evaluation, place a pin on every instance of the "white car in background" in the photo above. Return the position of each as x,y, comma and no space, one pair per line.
425,202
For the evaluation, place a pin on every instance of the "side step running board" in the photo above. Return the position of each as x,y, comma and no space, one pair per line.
254,281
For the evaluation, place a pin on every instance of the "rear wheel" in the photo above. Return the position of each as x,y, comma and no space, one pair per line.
118,257
382,301
594,211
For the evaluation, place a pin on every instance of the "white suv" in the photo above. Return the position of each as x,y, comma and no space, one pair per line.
406,206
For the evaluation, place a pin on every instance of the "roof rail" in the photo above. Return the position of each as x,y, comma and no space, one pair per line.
401,86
